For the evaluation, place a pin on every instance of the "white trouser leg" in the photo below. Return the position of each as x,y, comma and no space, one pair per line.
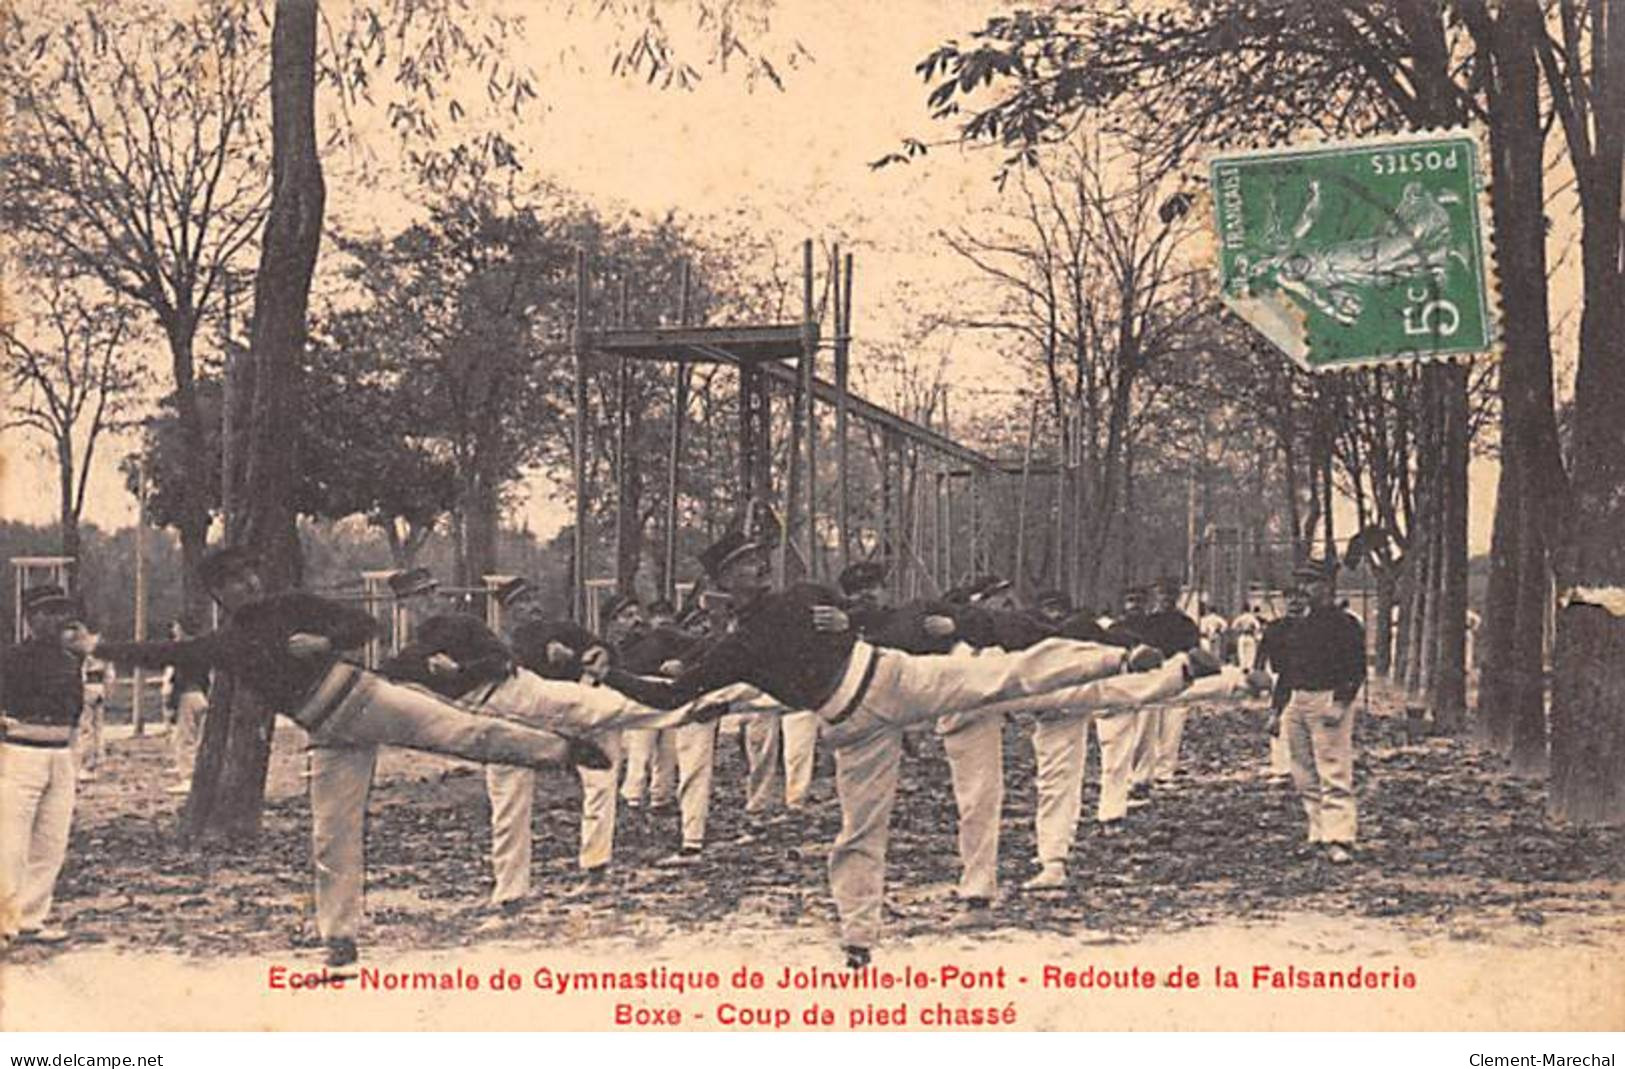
800,751
340,779
1147,730
975,748
640,747
1116,734
663,768
37,790
1247,651
1321,736
866,782
1060,744
762,783
907,689
1170,732
1280,751
513,798
377,711
563,705
190,707
696,766
25,771
598,805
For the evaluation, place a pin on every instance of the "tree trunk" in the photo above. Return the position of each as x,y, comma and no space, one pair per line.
1385,620
226,802
482,513
1512,705
1588,695
1527,693
629,518
1405,593
1449,691
67,515
1492,727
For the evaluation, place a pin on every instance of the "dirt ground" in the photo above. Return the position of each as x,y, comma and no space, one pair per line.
1500,918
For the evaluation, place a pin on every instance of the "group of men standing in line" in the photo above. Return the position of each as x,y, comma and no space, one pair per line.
801,664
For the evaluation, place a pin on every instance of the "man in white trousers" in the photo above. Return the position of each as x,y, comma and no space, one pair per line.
287,646
1319,657
41,701
643,640
1247,628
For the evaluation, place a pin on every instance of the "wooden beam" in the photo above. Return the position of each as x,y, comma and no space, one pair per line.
781,341
674,461
808,410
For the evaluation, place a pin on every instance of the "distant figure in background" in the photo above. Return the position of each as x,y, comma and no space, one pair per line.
1247,628
1212,627
1470,654
92,744
186,700
651,756
1156,753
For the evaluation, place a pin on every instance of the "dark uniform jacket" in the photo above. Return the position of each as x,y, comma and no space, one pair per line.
1324,650
254,645
482,658
187,677
773,646
530,641
646,649
1083,628
1170,631
902,627
43,690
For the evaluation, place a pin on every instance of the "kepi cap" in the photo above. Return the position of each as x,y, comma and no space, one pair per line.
47,597
224,561
862,575
412,582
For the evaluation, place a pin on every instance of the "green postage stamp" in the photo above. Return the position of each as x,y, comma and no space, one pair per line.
1357,253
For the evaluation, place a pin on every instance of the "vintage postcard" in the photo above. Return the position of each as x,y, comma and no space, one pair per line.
777,517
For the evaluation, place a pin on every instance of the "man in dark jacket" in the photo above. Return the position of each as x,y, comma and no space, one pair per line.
643,642
41,700
1156,751
1319,659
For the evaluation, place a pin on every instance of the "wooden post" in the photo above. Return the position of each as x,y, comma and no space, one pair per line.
137,719
578,342
809,417
623,397
916,503
800,398
1190,528
679,422
843,338
1019,569
888,535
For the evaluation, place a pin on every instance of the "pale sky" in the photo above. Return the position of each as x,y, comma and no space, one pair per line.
794,163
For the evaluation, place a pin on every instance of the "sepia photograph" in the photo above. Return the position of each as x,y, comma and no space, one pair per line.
762,516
